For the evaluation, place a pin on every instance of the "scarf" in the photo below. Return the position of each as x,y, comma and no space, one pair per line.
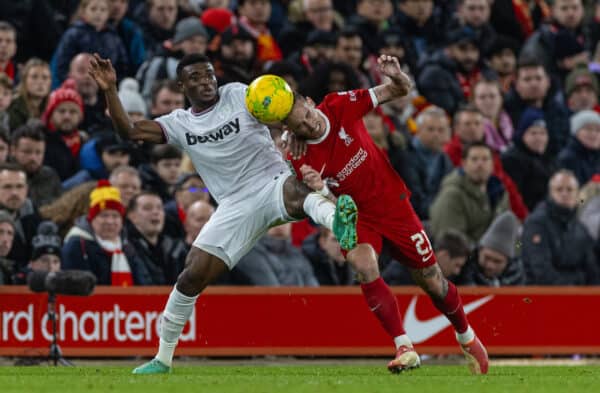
119,268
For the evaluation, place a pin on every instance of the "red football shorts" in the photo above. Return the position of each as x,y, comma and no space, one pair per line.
403,231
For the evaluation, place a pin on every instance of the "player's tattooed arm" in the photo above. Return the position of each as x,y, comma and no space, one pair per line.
145,130
399,85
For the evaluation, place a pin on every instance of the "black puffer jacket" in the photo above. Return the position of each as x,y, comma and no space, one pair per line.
557,249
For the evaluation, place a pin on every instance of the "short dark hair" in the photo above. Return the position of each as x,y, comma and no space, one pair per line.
168,84
529,62
30,130
12,167
469,146
454,242
465,108
192,58
134,200
164,152
5,26
347,32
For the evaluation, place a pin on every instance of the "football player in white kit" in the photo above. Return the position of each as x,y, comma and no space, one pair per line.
237,159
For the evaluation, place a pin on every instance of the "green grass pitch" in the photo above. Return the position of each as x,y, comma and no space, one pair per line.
292,379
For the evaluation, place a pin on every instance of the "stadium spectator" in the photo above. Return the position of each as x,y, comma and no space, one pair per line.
532,89
94,117
328,78
28,146
475,14
423,25
253,16
451,251
487,97
127,180
274,261
8,49
129,32
96,242
160,258
90,33
62,118
45,256
67,208
448,76
31,93
166,97
236,56
370,19
318,48
197,214
556,247
161,174
289,71
560,45
157,19
424,164
582,152
189,188
349,49
133,103
4,144
495,262
318,17
190,37
526,162
7,235
13,199
325,255
37,31
502,59
99,156
470,197
518,19
581,90
6,86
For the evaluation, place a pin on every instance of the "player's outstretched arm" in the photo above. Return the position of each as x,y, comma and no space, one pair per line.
145,130
399,84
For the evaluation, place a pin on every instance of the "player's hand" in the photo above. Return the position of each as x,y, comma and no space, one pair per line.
390,67
297,147
103,72
312,178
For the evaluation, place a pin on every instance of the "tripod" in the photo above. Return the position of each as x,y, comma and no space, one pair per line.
55,353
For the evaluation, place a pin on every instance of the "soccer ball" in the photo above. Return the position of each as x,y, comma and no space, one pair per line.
269,98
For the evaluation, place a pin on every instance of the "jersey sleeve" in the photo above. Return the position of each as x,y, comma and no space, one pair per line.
353,104
168,125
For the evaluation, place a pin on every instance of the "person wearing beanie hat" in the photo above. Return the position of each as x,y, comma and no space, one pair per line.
190,38
502,58
133,103
236,56
526,161
496,263
62,117
582,152
96,243
217,20
581,89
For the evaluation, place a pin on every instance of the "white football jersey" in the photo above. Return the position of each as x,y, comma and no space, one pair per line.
232,152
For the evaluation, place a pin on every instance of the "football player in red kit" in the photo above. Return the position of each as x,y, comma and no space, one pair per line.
341,158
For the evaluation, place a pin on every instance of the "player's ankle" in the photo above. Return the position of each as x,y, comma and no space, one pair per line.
466,337
402,340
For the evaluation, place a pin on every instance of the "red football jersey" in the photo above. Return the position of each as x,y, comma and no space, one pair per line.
348,157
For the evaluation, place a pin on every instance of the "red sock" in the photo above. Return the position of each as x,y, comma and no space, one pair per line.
452,308
384,305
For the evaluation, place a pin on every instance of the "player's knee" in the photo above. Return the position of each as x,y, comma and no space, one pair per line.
365,266
200,270
432,281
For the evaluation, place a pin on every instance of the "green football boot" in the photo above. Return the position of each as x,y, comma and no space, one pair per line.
344,222
154,366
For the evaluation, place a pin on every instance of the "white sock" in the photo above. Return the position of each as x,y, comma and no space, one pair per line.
320,209
177,312
402,340
466,337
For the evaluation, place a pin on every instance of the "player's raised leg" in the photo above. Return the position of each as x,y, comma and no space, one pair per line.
201,269
340,218
446,299
383,304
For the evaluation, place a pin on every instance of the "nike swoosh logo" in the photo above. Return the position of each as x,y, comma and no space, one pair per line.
420,331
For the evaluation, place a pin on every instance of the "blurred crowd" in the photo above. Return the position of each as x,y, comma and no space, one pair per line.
499,142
